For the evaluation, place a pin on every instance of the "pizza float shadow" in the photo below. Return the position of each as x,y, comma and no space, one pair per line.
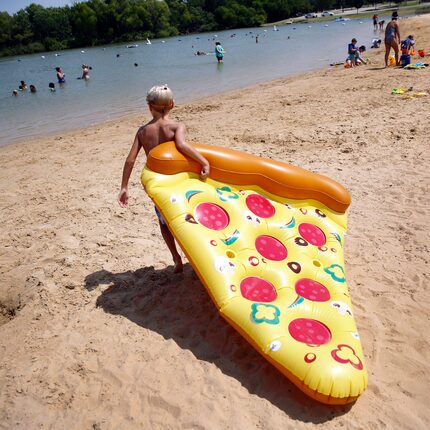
179,308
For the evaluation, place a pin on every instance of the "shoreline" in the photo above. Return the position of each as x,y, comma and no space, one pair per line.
96,332
36,114
133,113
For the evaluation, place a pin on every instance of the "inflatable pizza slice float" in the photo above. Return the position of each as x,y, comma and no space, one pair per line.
266,240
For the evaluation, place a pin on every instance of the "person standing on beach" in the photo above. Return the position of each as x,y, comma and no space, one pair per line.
160,129
219,52
392,38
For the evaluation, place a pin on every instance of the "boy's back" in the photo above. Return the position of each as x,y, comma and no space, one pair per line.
157,131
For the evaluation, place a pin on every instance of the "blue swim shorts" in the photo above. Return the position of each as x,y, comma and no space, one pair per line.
159,216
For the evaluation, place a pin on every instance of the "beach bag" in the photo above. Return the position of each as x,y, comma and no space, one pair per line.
405,60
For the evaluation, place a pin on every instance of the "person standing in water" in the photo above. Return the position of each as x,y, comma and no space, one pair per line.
85,72
392,38
61,76
375,22
219,52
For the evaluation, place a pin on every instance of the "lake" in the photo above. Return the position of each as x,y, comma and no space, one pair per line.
118,87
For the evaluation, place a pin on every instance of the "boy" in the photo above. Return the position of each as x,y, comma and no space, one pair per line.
160,129
358,56
352,50
407,45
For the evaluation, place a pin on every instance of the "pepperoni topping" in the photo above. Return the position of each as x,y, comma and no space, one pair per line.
309,331
312,290
212,216
257,290
313,234
271,248
260,206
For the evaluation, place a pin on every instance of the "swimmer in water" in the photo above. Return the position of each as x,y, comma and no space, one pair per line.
15,93
61,76
85,72
32,89
23,86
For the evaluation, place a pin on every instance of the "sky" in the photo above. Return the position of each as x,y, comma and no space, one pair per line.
12,6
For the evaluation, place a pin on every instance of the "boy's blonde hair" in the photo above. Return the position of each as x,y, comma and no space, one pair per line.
160,97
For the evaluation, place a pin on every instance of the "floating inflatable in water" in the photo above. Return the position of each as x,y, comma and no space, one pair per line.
266,239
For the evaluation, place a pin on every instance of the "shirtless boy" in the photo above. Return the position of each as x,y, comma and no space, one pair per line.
160,129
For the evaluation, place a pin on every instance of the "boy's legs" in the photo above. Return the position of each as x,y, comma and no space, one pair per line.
170,242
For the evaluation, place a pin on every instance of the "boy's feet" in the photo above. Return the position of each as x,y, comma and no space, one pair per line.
178,267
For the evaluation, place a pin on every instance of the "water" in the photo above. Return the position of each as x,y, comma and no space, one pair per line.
117,87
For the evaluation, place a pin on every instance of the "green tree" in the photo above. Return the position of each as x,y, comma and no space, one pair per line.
84,24
6,23
50,23
358,4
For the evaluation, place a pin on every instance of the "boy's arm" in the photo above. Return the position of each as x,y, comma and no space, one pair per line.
187,149
126,172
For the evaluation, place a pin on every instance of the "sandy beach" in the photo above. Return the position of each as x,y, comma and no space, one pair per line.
97,333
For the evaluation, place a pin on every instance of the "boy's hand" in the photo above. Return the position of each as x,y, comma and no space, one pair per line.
123,197
204,173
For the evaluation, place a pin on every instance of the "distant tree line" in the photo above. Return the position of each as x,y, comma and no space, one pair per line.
96,22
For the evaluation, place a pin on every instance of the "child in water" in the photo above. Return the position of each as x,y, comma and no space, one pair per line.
160,129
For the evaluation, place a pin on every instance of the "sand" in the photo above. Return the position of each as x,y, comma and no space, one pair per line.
98,333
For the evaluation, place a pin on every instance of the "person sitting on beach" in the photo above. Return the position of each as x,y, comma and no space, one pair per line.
407,45
352,50
160,129
85,72
392,38
23,86
219,52
61,76
358,58
32,89
376,43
